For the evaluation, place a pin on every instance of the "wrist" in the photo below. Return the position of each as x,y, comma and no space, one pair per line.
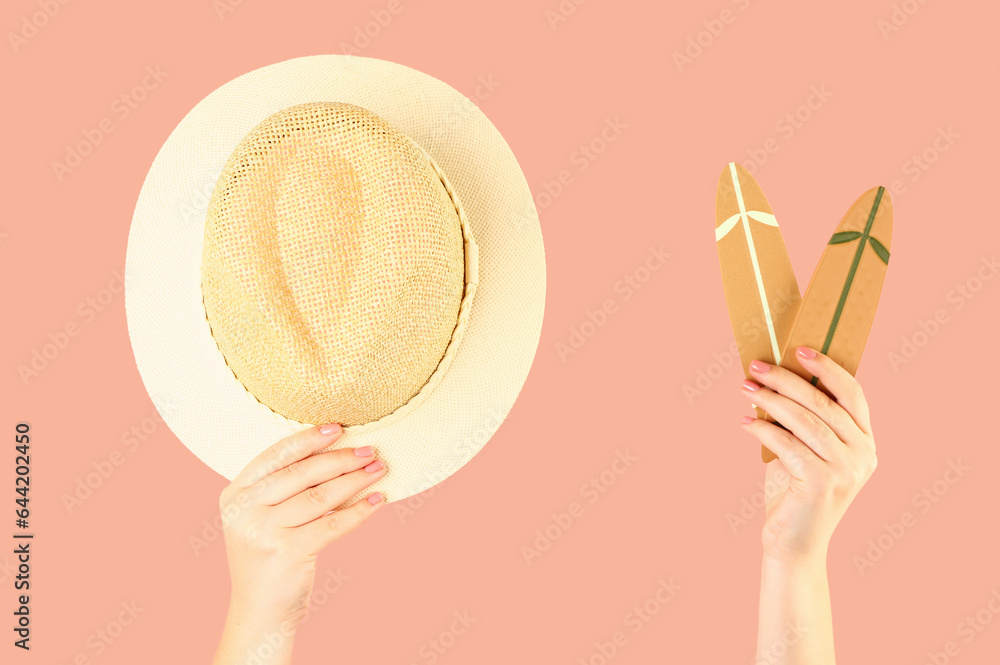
807,560
259,618
255,637
810,557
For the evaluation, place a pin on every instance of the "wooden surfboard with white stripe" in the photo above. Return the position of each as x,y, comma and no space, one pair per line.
761,292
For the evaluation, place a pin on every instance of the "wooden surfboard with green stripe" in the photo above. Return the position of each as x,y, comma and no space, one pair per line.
838,308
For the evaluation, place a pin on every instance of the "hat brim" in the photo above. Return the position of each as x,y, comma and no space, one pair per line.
187,377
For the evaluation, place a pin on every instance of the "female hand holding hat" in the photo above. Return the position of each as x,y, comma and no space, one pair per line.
370,256
277,517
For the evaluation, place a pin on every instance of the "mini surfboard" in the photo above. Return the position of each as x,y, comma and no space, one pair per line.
838,308
761,292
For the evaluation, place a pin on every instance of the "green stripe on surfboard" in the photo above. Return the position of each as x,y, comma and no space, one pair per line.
863,239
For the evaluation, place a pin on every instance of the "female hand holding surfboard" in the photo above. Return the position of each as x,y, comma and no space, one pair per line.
802,355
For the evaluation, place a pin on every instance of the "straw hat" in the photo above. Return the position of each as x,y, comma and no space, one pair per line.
336,239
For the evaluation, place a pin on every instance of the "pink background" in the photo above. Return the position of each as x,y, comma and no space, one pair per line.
665,517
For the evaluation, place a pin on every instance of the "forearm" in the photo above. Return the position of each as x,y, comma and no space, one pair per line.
796,624
247,640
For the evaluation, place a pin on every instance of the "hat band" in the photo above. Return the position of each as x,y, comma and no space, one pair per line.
471,251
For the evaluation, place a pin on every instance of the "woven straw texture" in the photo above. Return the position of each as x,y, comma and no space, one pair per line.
186,375
333,265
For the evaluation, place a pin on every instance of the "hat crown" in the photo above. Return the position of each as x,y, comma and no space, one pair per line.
333,265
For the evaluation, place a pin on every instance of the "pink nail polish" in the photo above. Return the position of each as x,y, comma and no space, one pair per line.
375,498
748,419
374,466
366,451
806,352
759,366
750,385
332,428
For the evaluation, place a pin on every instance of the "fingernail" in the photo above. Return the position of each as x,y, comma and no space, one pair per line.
748,419
759,366
806,352
374,466
750,385
375,498
366,451
332,428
